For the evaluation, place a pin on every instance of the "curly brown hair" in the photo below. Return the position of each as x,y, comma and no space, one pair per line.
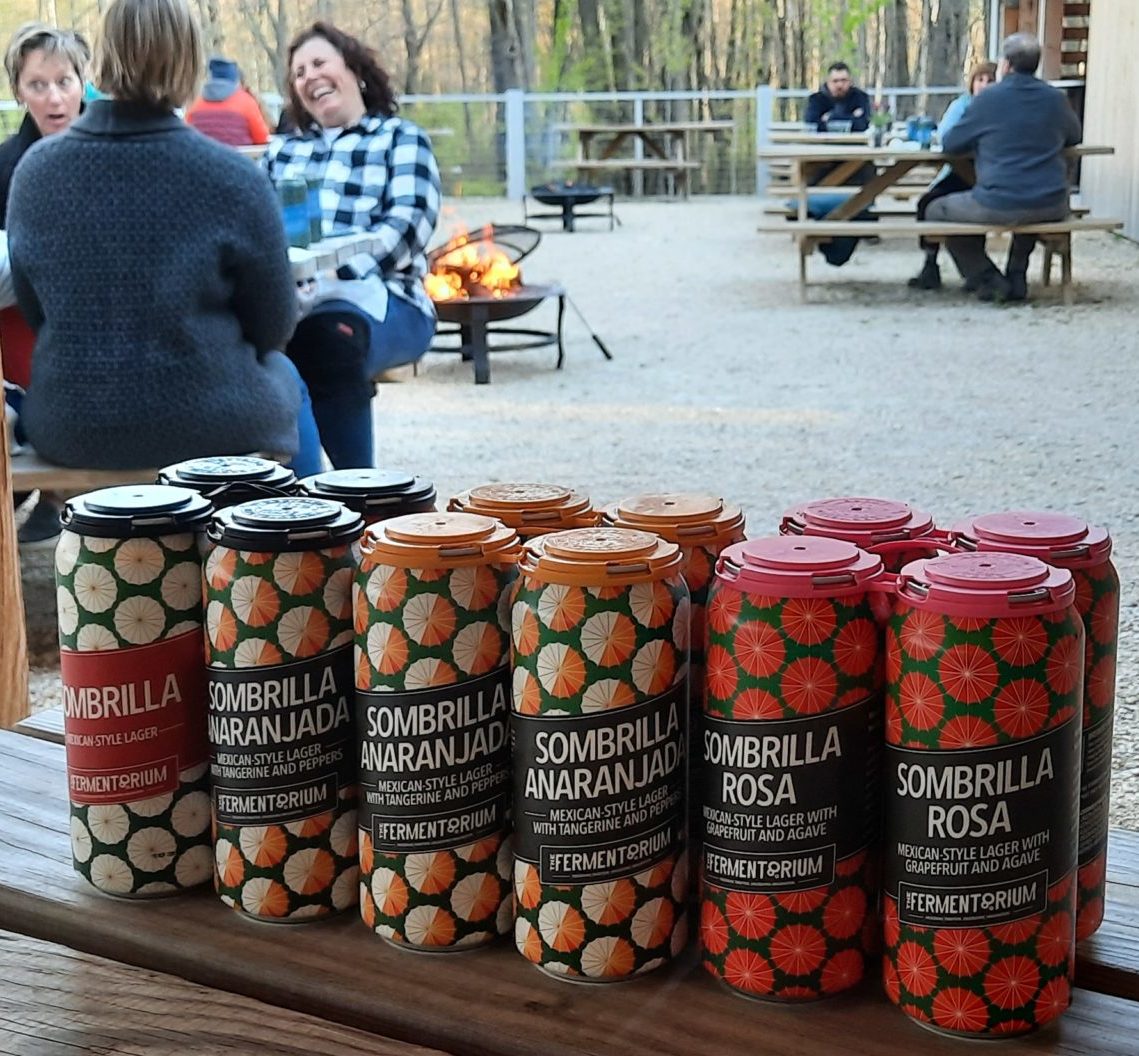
379,97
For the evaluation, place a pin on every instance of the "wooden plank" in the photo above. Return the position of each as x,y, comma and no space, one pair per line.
29,472
13,634
1108,962
610,164
58,1002
930,228
47,725
886,155
625,128
484,1003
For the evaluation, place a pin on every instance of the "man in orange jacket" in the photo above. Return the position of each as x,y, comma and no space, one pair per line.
226,111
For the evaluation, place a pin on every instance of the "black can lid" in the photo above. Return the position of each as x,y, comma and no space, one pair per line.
136,510
390,492
206,474
287,523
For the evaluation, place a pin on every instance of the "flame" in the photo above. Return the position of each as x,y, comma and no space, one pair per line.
474,268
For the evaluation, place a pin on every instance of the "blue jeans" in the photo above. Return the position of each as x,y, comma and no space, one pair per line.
307,460
338,349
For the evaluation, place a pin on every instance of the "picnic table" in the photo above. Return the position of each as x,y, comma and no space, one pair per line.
92,970
838,164
664,147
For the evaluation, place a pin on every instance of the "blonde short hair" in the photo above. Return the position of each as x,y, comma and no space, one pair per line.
149,51
37,36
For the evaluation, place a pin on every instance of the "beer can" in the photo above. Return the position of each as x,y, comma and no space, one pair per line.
701,525
128,575
600,647
433,707
791,747
881,526
229,480
1071,543
984,661
292,193
530,509
278,589
375,494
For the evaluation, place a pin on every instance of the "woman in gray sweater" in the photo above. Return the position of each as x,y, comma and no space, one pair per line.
151,262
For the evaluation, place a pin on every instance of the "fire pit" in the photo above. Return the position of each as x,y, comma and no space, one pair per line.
566,196
476,285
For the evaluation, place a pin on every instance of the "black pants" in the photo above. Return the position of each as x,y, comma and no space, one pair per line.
952,184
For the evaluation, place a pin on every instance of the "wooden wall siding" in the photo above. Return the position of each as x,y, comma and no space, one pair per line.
1111,184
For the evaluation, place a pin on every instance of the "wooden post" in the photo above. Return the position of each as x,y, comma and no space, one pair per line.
13,634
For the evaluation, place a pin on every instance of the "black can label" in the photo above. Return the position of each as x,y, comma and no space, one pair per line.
1095,789
601,796
435,763
785,800
281,739
975,837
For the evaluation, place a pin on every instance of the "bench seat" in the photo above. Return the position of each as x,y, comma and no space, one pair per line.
1055,236
30,472
622,164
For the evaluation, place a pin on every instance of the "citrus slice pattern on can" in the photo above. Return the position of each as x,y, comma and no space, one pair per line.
582,651
130,617
419,629
264,612
963,684
774,659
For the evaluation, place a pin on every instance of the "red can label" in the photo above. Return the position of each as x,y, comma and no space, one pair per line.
133,719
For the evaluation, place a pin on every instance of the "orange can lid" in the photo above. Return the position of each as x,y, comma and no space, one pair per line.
439,540
530,509
688,519
600,557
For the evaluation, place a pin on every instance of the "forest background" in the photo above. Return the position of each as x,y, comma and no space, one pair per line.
446,46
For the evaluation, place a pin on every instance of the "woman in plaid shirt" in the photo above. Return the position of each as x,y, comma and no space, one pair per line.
377,174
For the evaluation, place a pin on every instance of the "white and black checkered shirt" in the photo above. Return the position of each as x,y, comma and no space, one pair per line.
378,175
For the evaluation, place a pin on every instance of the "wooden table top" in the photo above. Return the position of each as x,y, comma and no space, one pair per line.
489,1002
651,126
865,152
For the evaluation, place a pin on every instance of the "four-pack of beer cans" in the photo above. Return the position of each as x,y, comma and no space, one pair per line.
859,745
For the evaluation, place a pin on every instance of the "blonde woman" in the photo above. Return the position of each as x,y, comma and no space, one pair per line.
152,263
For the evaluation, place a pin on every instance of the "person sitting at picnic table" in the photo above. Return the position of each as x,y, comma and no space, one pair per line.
151,262
377,174
1017,132
226,110
948,180
839,100
46,69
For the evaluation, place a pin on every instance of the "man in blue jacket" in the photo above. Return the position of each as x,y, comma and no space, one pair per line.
839,100
1017,132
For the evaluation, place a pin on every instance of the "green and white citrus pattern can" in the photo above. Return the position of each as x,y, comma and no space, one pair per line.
791,746
600,627
984,663
432,611
128,590
279,649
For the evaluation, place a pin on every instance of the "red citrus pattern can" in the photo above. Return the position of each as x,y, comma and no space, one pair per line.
600,635
278,589
1068,542
984,661
530,509
791,749
881,526
432,617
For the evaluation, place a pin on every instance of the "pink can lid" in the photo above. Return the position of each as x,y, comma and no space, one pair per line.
798,567
1058,538
862,521
987,584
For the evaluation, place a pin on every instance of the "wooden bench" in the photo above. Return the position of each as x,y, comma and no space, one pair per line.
1056,237
30,472
673,167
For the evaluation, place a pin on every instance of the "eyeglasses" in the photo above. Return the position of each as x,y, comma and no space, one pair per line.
38,89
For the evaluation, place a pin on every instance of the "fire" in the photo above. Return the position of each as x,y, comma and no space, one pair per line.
474,268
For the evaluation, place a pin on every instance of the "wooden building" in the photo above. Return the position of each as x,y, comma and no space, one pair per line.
1061,25
1109,185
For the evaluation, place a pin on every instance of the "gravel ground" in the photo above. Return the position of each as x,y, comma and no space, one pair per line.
724,383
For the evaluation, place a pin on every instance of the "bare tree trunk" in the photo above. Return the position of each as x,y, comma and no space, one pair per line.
526,30
896,38
949,42
457,30
589,14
